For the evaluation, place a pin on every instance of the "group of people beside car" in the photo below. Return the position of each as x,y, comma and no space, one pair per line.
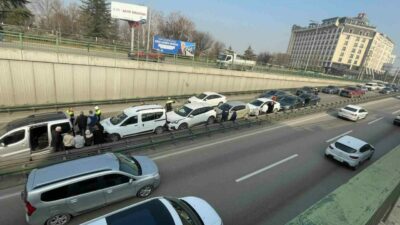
86,131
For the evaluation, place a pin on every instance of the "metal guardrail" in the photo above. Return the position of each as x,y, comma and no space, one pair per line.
24,165
58,44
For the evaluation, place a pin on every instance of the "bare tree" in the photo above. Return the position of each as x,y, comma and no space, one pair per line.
281,59
203,42
176,26
264,58
216,49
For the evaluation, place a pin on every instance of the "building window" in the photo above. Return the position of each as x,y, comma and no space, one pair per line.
340,59
363,40
349,61
361,33
357,56
359,51
361,45
357,39
344,49
346,42
367,34
355,62
353,50
351,56
342,54
348,37
355,45
351,31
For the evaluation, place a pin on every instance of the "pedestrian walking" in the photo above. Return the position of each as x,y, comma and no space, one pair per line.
92,120
233,117
68,141
79,141
57,140
168,104
98,136
88,138
81,122
224,116
97,112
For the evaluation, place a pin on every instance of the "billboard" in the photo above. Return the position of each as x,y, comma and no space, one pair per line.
129,12
173,47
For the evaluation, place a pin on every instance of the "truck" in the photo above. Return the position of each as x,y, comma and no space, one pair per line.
231,60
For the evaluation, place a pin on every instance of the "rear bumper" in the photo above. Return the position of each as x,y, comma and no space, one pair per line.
352,163
347,116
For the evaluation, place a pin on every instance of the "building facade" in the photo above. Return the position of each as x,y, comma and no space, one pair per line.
340,45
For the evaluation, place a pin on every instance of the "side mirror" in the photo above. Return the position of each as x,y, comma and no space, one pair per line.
191,116
2,144
131,181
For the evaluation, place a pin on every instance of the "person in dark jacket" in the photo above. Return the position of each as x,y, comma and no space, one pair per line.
233,117
81,122
88,138
224,115
92,120
57,140
98,136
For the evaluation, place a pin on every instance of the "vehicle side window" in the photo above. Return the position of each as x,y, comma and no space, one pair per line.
55,194
129,121
362,110
115,179
158,115
147,117
228,58
196,112
85,186
365,148
239,107
13,137
65,127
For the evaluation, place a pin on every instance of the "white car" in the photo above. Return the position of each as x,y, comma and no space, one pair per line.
163,211
352,112
211,98
261,105
189,115
350,150
135,120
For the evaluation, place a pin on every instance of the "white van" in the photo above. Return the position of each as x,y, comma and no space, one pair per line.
372,86
135,120
31,135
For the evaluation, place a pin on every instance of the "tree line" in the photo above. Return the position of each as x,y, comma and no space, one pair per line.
92,19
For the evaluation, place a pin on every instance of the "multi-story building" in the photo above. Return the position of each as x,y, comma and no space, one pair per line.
340,45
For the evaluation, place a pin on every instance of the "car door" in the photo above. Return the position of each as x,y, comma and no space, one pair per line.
86,195
147,121
363,113
241,111
117,187
365,151
65,128
130,126
15,143
198,116
213,100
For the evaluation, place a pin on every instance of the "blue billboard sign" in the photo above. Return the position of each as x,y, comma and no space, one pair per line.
173,47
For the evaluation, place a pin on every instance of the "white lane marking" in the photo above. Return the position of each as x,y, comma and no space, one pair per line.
340,135
395,112
9,195
234,138
265,168
373,121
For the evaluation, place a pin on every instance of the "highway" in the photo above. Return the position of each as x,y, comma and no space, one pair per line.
262,176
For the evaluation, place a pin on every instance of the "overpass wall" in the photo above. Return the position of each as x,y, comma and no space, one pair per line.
31,77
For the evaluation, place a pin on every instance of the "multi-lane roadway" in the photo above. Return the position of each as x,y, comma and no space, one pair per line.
266,175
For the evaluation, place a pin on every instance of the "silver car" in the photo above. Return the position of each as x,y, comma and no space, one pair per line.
163,211
58,192
350,151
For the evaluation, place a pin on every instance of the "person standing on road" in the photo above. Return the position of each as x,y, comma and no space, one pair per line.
168,104
71,115
92,120
88,138
79,141
97,112
57,140
68,141
224,115
233,117
81,122
98,136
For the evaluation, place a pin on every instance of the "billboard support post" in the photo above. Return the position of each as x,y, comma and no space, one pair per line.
148,34
132,38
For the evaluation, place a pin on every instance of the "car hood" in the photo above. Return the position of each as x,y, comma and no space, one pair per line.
106,123
195,99
148,166
172,116
206,212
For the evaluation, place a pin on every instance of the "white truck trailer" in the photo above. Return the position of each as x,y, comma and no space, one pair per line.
231,60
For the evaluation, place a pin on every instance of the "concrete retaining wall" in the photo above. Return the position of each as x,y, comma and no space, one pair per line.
31,77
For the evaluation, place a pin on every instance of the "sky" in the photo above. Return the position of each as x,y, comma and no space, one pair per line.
266,24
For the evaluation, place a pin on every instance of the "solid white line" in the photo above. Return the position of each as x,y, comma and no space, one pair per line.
340,135
395,112
235,138
9,195
373,121
265,168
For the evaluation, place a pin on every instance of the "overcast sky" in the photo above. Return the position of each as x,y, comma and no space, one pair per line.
266,24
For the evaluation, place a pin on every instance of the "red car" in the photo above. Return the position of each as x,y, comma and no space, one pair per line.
352,92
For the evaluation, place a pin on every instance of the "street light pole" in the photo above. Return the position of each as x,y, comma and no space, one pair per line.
312,45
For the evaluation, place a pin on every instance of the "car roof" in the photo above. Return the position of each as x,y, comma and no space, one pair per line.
352,142
135,109
264,99
65,170
235,103
354,106
34,119
195,105
211,93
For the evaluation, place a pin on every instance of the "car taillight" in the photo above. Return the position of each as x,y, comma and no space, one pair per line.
29,208
354,157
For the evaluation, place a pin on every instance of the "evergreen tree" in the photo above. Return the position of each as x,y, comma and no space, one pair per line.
96,18
249,54
14,12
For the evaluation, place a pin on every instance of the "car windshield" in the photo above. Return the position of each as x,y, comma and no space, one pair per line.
129,165
344,147
183,111
256,102
186,213
288,100
225,107
222,57
201,96
118,119
350,109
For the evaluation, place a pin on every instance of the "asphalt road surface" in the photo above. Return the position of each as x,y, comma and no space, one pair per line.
262,176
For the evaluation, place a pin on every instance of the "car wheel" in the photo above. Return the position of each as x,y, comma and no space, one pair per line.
145,191
115,137
183,126
210,120
369,158
355,167
159,130
60,219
